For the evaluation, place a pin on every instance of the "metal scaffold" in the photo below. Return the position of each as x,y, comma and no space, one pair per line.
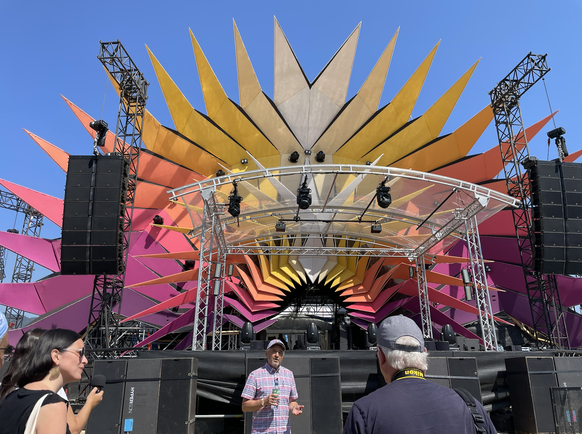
23,267
104,316
423,298
542,291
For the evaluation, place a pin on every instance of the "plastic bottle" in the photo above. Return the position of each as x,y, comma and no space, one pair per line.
276,388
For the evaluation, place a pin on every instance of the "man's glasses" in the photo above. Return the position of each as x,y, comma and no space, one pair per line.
80,352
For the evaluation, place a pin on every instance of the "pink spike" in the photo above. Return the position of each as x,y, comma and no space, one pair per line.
170,240
182,321
58,155
61,290
38,250
49,206
134,302
21,296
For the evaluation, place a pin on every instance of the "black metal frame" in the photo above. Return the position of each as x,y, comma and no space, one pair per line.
543,295
23,267
103,324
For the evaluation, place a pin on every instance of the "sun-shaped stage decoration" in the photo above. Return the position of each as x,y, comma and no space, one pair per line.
338,200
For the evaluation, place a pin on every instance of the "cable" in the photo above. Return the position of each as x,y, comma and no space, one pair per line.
550,104
104,95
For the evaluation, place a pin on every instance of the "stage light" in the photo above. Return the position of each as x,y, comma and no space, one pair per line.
158,220
488,268
308,152
320,157
411,272
216,287
280,227
234,201
219,173
557,132
294,157
467,282
101,128
217,271
188,265
376,228
12,231
230,269
383,196
304,195
368,163
244,161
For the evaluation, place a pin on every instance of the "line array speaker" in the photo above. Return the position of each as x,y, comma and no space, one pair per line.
149,396
93,215
454,372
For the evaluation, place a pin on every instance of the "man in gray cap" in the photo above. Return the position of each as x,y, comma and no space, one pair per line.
270,393
3,337
409,403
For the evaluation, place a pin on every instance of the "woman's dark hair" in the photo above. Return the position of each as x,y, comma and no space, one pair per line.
40,363
22,350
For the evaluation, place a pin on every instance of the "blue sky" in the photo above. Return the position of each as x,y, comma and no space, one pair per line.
50,48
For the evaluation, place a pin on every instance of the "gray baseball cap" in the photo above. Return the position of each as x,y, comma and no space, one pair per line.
276,342
395,327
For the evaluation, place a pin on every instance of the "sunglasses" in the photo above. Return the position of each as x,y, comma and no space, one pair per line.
8,350
80,352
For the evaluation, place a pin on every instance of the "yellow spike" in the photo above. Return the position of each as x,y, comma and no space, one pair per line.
437,115
275,269
391,117
214,95
422,130
371,90
449,148
248,84
193,125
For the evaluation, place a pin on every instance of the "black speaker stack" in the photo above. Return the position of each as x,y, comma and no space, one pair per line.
93,215
146,396
556,200
454,372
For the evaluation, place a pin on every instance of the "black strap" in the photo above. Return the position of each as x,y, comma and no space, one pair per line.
478,419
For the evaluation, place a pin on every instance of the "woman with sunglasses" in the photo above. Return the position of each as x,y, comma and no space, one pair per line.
57,358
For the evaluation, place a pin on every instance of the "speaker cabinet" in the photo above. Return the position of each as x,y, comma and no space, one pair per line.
93,215
454,372
572,182
149,396
530,380
319,387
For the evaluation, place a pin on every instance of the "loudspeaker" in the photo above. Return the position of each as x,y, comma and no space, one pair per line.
258,345
246,333
454,372
530,380
442,346
93,212
448,334
569,371
572,185
318,384
372,335
150,396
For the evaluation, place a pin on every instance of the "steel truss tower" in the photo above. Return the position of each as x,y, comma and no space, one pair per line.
103,325
423,298
479,277
542,291
211,237
23,267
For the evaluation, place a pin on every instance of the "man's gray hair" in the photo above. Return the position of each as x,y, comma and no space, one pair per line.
404,359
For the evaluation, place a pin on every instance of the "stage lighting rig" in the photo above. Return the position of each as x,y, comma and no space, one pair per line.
188,265
383,195
304,195
376,228
280,227
101,127
294,157
320,157
158,220
560,141
219,173
234,201
467,283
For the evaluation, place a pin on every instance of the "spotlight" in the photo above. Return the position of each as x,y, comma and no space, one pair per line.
304,195
12,231
557,132
219,173
294,157
368,163
188,265
467,281
216,291
383,196
230,269
411,272
308,152
101,128
217,271
560,141
158,220
488,268
244,161
320,157
234,202
376,228
280,227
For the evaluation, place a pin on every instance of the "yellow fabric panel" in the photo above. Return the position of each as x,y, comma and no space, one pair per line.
285,266
422,130
275,270
225,113
173,147
194,126
265,267
362,265
437,115
449,148
173,228
391,117
248,84
371,90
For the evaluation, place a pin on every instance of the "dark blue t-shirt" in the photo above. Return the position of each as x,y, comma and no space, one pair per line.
413,405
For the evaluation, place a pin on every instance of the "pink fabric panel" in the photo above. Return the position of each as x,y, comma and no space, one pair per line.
440,318
182,321
501,249
142,218
73,317
246,313
134,302
38,250
171,241
14,336
21,296
248,301
146,245
570,290
257,327
61,290
57,249
235,320
49,206
137,272
185,343
386,310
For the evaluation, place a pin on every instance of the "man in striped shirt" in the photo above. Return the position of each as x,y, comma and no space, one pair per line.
270,393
